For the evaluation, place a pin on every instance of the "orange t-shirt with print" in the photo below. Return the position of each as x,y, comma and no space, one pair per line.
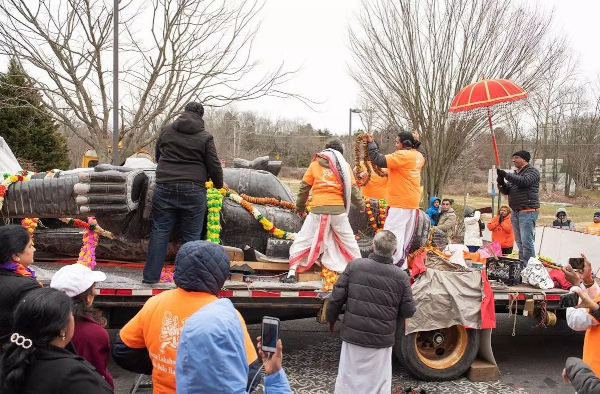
158,328
404,178
326,190
377,186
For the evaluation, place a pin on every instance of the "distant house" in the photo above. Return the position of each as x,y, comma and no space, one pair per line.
561,177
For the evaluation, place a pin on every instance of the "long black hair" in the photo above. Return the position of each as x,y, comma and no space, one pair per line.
13,239
40,316
335,144
408,140
81,309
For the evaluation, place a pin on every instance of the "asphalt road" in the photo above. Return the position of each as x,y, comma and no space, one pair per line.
530,362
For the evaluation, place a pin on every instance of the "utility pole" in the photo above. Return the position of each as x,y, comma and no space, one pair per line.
355,111
116,83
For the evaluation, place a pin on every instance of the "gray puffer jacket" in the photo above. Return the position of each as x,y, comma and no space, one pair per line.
583,379
522,188
377,293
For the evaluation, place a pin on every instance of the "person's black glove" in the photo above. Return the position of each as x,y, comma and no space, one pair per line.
500,218
501,175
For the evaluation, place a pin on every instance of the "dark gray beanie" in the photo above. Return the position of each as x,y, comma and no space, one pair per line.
523,154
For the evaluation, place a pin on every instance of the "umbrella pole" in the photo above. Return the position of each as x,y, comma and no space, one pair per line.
497,157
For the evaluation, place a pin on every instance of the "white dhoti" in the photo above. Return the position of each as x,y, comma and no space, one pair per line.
402,222
364,370
328,235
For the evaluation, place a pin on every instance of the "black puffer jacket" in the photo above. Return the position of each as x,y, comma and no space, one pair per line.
583,379
12,288
377,293
522,188
185,152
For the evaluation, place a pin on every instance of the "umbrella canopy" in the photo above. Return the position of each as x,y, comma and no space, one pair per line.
486,93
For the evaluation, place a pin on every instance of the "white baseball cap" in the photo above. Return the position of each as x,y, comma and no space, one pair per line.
76,278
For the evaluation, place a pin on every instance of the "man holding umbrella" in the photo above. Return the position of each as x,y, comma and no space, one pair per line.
522,188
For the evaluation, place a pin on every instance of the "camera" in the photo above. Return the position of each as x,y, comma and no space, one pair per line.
577,263
568,300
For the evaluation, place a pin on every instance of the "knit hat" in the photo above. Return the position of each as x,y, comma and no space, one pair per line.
523,154
597,214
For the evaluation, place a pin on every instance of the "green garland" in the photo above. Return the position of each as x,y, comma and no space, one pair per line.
214,202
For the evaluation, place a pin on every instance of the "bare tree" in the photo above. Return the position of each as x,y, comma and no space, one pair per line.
173,52
412,57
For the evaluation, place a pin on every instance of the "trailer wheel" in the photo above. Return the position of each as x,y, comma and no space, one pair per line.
436,355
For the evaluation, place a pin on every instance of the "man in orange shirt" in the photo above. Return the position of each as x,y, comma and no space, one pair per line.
148,342
404,188
594,228
326,232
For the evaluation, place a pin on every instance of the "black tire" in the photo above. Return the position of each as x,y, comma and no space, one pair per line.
447,360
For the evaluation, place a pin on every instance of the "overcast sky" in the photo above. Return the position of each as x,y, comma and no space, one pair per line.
314,34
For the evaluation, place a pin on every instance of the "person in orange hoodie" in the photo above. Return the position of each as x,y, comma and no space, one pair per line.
326,234
404,188
502,230
584,317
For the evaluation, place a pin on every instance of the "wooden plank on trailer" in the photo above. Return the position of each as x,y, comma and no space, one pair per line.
262,266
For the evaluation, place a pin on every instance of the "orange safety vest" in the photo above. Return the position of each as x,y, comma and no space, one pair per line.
591,345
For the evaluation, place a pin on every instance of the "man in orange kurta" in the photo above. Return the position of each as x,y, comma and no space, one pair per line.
404,188
326,234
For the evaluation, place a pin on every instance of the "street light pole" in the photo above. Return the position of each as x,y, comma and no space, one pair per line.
356,111
116,83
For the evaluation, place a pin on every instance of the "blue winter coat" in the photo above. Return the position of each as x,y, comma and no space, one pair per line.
433,212
211,357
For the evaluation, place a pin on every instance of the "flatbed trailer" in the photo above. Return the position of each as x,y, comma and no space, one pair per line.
430,355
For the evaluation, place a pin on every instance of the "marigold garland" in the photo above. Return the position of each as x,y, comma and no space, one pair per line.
329,278
381,214
87,254
214,202
30,224
167,274
267,225
88,226
361,141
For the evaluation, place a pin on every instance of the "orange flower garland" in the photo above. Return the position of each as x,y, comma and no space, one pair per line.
30,224
381,214
361,140
329,278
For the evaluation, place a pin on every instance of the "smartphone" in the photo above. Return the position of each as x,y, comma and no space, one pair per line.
270,334
568,300
576,263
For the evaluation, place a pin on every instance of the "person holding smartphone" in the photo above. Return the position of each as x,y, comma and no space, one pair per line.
211,357
585,315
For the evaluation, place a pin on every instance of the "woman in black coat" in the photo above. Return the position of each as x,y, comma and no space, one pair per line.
16,279
36,362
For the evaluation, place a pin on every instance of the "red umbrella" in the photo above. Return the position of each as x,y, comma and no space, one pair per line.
481,96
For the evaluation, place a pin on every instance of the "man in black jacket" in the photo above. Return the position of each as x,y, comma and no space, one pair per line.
377,294
187,158
522,188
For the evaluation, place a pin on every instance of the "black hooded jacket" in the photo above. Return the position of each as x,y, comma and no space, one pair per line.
377,294
185,152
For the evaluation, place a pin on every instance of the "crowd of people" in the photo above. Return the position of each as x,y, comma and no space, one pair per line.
190,341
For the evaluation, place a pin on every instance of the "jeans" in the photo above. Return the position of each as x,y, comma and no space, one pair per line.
523,224
473,249
185,201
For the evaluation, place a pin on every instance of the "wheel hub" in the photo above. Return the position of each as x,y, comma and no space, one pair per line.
438,338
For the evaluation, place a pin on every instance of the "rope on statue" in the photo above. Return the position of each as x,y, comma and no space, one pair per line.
361,141
513,298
